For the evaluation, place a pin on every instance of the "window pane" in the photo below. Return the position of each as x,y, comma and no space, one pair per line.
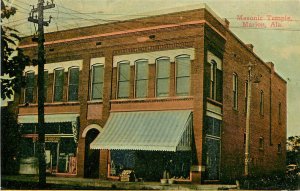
98,73
97,91
142,70
73,84
73,92
124,76
124,71
58,96
141,79
183,86
74,76
58,85
29,95
163,68
29,87
183,65
123,89
162,87
59,77
141,88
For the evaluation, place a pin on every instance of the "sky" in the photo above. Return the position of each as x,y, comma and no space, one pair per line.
279,43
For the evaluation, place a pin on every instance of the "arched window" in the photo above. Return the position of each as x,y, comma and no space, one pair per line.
183,73
29,89
58,84
162,77
73,84
123,79
261,103
97,80
235,90
141,78
213,77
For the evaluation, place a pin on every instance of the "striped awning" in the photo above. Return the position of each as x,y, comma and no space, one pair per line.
49,118
147,130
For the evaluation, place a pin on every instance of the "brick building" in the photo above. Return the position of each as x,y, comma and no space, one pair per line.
163,92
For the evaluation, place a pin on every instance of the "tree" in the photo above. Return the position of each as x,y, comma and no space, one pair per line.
13,60
293,150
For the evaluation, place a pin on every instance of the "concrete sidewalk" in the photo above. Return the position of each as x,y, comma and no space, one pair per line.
73,182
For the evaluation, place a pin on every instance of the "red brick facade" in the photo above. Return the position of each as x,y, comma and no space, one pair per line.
200,31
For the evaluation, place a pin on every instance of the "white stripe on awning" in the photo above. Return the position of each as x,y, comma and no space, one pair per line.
49,118
147,130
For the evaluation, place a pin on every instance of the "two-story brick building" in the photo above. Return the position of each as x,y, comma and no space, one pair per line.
162,92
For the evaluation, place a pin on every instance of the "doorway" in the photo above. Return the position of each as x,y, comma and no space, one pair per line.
91,161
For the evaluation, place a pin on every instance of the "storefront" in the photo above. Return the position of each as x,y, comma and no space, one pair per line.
61,139
154,144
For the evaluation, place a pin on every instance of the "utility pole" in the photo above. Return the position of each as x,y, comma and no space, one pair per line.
41,61
248,111
247,144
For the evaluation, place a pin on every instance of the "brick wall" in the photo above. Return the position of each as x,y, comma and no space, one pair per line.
212,36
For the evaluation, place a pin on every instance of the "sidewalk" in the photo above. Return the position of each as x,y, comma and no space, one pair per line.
84,183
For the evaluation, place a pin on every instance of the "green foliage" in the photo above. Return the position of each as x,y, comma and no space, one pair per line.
13,60
293,150
10,141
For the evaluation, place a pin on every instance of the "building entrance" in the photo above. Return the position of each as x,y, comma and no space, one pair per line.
91,162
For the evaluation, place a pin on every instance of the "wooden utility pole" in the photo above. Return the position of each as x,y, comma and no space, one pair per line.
247,141
41,61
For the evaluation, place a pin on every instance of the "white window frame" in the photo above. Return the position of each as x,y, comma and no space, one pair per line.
118,81
177,77
156,75
91,78
136,80
63,69
70,68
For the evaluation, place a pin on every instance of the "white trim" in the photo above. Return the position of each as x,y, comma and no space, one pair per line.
152,56
213,108
99,60
211,56
51,66
89,127
49,118
214,115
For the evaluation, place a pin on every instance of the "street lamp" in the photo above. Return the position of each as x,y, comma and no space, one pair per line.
247,141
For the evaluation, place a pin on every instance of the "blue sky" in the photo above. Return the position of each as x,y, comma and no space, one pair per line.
280,45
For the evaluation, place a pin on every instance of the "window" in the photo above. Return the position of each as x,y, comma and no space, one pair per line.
73,84
213,68
29,87
141,78
213,127
183,72
235,91
246,94
58,84
162,77
261,104
261,143
97,81
279,113
123,79
279,149
45,85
